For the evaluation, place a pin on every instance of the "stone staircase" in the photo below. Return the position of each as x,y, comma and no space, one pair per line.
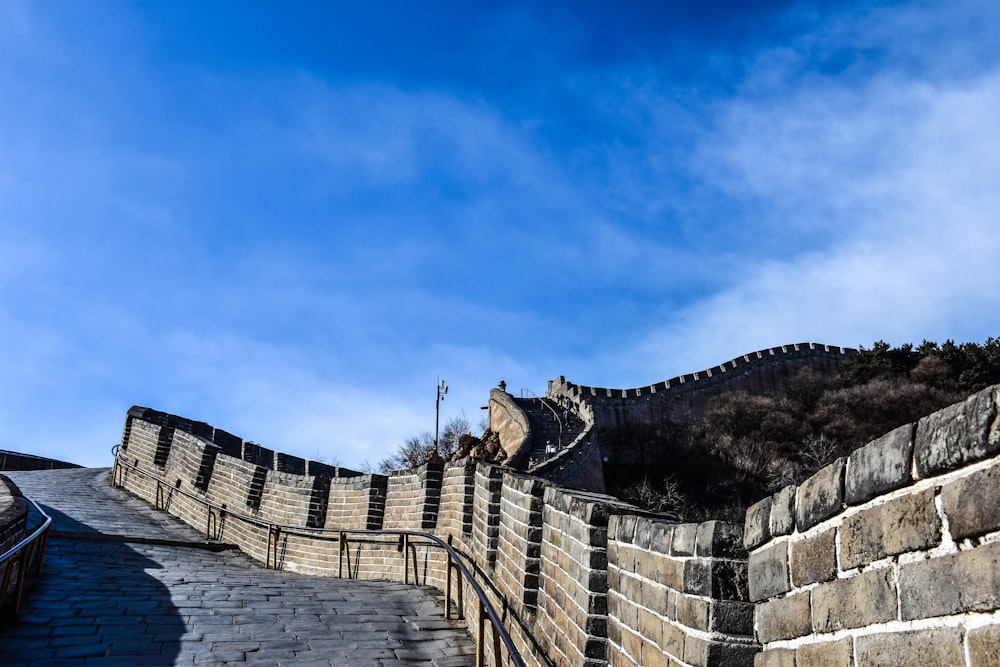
546,417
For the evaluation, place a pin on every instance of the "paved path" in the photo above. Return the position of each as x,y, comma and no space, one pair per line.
117,589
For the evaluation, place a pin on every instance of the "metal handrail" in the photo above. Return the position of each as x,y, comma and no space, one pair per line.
33,546
555,415
486,609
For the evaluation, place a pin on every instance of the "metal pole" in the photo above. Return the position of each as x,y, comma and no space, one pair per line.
442,389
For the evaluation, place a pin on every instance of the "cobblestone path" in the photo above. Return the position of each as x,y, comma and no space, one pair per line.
124,584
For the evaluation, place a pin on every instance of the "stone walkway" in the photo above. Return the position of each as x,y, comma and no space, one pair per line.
124,584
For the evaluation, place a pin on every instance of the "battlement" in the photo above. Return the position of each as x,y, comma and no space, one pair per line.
566,565
886,557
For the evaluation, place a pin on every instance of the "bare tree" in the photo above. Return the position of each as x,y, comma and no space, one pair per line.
417,450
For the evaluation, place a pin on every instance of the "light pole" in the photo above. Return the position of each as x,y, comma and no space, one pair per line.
442,390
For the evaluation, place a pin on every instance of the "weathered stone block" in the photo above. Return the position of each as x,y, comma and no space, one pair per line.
966,581
732,617
957,435
984,646
908,523
827,654
814,559
904,649
782,520
769,572
784,618
821,496
865,599
881,465
661,537
757,529
693,612
684,538
720,539
781,657
972,504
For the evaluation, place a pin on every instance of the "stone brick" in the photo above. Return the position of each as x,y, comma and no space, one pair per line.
966,581
821,496
865,599
827,654
684,538
719,539
732,617
782,519
781,657
957,435
757,529
783,618
904,649
814,559
972,504
661,536
881,465
908,523
769,572
693,612
984,646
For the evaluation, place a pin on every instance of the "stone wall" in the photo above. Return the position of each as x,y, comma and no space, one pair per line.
13,515
543,551
677,400
890,556
677,594
509,422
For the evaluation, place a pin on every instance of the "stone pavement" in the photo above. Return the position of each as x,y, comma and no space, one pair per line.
124,584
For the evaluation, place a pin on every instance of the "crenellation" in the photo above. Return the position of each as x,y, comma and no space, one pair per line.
888,556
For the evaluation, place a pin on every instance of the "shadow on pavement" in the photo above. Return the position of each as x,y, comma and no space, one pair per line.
96,603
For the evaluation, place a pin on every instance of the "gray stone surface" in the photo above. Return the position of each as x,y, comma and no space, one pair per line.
966,581
908,523
821,496
903,649
972,504
881,465
757,529
814,559
118,589
957,435
769,572
862,600
784,618
782,520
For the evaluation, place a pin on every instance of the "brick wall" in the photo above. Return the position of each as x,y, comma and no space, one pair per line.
889,557
677,594
573,585
544,550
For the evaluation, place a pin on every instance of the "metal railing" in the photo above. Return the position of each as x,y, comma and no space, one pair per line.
555,414
26,554
216,515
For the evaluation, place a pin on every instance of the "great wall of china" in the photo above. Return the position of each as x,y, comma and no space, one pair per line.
888,557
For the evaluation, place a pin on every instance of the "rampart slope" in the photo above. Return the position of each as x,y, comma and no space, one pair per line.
583,578
887,557
580,463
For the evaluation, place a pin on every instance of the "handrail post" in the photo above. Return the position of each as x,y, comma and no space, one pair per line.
447,591
480,639
340,557
406,558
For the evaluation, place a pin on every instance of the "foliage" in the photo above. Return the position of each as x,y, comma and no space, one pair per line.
417,450
746,446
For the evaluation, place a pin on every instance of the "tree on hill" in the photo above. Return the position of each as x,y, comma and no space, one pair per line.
747,446
417,450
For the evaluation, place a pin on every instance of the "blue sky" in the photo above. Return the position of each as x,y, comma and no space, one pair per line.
289,219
